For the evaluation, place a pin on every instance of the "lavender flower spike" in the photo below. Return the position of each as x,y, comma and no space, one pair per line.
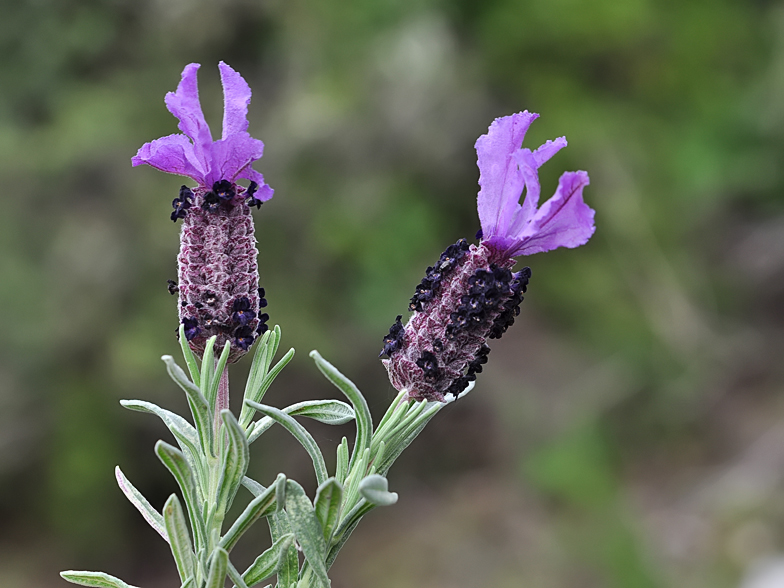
218,286
471,295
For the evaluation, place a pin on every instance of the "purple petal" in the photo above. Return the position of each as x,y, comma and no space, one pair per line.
565,220
263,192
499,177
236,97
230,156
184,104
172,154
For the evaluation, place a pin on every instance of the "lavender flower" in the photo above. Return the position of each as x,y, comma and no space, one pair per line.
471,294
218,275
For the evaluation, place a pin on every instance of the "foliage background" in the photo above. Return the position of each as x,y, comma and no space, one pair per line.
628,432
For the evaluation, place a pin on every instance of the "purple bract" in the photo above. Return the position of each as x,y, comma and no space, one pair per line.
511,228
194,154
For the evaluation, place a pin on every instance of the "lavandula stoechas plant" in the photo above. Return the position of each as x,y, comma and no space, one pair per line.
471,294
218,277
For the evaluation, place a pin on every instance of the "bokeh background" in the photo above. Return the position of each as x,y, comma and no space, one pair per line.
628,431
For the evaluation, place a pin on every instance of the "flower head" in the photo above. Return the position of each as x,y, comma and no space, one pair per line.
471,294
218,286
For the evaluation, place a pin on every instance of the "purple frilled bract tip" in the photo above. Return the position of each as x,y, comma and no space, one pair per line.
509,227
194,154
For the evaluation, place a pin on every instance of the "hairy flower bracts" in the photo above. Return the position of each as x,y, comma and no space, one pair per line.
471,295
218,275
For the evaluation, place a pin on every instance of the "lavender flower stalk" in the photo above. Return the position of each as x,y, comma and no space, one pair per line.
471,294
218,286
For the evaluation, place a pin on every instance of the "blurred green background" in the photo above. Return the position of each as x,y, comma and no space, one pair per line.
628,431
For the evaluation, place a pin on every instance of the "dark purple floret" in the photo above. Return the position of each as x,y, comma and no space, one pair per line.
241,311
428,288
262,300
211,202
224,190
251,200
172,287
244,337
429,364
394,340
191,327
478,235
263,327
182,203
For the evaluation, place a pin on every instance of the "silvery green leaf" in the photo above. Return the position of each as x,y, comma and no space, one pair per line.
152,516
374,489
341,467
190,358
403,439
95,579
235,576
253,486
208,365
266,349
288,564
330,412
355,476
175,462
260,506
218,569
346,527
269,562
235,462
188,583
185,434
347,387
300,433
327,506
212,391
307,529
396,404
200,410
180,542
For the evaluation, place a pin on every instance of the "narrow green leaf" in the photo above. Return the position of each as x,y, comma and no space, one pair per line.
175,462
208,365
212,392
330,412
268,562
180,541
347,387
253,486
96,579
307,529
202,416
288,564
346,527
375,489
341,467
190,358
355,476
218,569
188,583
265,350
235,576
259,507
152,516
235,462
393,407
185,434
272,374
300,434
327,506
404,438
